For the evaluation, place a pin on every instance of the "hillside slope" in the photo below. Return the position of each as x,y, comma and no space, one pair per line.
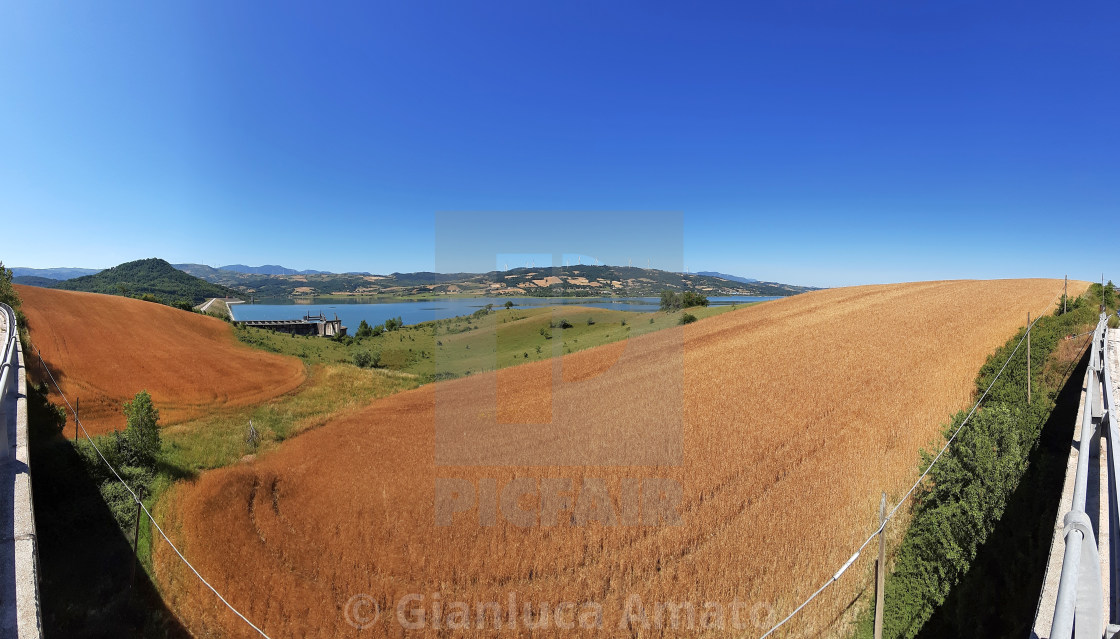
103,349
152,276
796,414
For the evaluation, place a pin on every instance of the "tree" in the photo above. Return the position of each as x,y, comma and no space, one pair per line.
509,304
8,294
364,330
692,298
141,435
670,301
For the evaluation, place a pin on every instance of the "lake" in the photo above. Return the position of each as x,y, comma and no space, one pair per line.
415,312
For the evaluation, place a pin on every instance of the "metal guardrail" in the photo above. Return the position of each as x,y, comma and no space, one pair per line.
1079,607
9,364
20,614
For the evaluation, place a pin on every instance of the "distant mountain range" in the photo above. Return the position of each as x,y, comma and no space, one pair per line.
733,278
575,281
267,269
273,281
53,273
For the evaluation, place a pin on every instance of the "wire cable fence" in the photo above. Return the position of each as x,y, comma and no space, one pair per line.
882,526
136,498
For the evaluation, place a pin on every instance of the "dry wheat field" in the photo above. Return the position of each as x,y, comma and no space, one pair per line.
103,349
789,419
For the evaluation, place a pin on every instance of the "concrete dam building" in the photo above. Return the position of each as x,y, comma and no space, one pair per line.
309,325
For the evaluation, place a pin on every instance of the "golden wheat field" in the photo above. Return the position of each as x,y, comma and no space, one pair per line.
103,349
788,419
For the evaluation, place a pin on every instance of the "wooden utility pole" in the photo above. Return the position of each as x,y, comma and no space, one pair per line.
1028,358
136,538
880,568
1065,294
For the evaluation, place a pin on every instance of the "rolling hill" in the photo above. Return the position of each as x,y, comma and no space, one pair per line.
148,277
104,349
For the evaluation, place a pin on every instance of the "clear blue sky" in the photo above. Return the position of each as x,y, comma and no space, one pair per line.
824,143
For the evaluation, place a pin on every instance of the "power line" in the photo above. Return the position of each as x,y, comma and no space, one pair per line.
909,493
142,506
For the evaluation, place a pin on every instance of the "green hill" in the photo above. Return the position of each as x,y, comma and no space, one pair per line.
153,277
35,280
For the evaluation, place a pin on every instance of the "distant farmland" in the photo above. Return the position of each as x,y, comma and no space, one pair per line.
796,414
104,349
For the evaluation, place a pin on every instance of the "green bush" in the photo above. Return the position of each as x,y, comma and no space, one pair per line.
141,443
672,301
364,330
362,359
687,318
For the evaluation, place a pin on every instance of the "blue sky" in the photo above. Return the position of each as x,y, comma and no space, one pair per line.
825,143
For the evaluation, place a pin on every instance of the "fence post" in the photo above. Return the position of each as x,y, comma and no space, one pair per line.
1028,358
880,568
136,538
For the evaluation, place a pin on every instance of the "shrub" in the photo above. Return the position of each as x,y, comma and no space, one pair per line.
591,321
141,442
364,330
687,318
672,301
362,359
692,298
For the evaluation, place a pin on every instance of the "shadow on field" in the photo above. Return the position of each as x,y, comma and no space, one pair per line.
84,558
997,597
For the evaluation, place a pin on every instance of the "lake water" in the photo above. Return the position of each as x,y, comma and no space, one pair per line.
414,312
